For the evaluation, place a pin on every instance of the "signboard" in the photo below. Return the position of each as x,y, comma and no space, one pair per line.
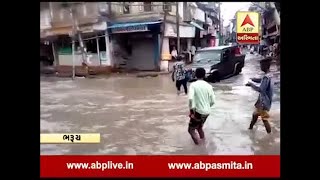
185,31
100,26
248,26
130,29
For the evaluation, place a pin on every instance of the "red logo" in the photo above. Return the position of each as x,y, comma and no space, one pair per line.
247,20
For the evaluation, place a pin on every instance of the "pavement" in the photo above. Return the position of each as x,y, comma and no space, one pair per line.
145,116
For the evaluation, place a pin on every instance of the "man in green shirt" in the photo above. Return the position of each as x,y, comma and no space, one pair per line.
201,99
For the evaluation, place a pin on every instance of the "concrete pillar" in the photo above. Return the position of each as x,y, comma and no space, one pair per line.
98,50
165,47
165,55
189,43
164,66
55,58
108,52
73,60
217,42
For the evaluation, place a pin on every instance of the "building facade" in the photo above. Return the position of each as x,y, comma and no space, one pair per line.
57,29
122,35
270,22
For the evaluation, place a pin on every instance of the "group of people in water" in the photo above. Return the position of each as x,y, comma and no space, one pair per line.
202,97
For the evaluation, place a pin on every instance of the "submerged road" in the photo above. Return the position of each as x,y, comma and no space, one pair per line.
145,116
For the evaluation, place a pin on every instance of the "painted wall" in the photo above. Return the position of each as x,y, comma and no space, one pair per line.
87,13
139,8
199,15
66,60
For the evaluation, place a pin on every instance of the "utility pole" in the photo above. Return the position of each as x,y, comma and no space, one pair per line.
76,30
220,28
73,60
163,30
178,27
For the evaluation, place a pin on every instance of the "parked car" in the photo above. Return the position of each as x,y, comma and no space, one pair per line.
220,62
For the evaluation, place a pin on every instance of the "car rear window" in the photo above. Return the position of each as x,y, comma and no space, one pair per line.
204,57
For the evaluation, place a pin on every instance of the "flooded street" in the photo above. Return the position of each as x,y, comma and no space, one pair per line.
145,116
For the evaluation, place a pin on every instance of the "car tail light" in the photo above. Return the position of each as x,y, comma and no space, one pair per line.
238,50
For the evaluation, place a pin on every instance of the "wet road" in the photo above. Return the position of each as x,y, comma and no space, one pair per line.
145,116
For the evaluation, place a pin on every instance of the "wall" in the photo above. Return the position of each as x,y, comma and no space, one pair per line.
139,8
133,9
66,60
181,13
86,12
185,31
157,8
212,31
117,8
45,19
199,15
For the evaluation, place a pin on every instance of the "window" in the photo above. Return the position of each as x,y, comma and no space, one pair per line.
167,6
147,6
126,7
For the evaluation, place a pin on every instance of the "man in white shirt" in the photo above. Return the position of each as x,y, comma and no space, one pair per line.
201,100
193,52
174,53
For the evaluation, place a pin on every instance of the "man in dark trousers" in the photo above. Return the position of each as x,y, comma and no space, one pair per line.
265,90
179,75
201,99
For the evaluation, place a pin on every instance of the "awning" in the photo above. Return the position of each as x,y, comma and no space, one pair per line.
122,25
196,25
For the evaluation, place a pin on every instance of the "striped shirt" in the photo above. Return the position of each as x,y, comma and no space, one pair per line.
180,72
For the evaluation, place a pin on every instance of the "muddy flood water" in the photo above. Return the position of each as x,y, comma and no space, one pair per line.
145,116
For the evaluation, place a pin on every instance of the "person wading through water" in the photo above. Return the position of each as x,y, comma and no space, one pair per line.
179,75
265,90
201,99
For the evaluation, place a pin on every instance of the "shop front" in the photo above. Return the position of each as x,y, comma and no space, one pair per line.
187,34
135,46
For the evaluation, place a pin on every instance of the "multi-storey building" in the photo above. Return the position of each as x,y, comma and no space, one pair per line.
210,37
121,34
270,21
56,25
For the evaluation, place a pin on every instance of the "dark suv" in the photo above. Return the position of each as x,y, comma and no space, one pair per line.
220,62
